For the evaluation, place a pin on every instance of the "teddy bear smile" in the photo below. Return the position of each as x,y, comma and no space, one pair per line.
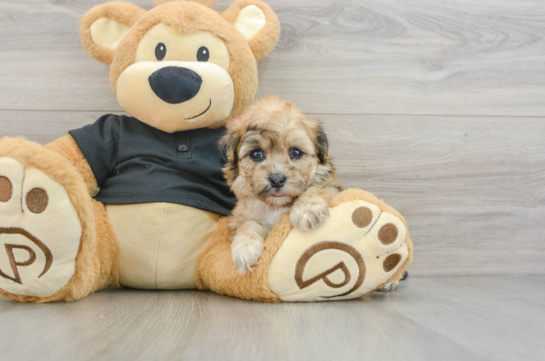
196,116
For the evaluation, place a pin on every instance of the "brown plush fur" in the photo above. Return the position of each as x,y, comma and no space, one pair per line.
68,148
215,270
94,262
189,17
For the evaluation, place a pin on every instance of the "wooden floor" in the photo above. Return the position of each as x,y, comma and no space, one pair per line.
448,318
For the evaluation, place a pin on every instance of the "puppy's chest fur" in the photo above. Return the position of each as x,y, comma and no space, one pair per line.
262,213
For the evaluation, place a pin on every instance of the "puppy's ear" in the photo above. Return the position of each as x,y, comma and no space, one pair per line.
229,144
325,175
322,145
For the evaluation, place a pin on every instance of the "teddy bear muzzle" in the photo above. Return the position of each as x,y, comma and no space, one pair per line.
174,96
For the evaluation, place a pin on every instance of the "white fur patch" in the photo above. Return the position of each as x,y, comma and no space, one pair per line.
307,216
390,286
245,251
264,214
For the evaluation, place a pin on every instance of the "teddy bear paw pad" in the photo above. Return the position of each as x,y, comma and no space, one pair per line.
357,249
39,232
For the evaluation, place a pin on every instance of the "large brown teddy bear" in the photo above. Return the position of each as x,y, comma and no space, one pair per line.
138,201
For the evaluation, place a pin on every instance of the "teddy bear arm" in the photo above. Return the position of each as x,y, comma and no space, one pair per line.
68,148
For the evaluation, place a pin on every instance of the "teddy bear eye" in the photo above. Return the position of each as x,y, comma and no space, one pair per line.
160,51
203,54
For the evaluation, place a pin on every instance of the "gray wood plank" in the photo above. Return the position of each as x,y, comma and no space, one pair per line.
471,188
463,318
334,56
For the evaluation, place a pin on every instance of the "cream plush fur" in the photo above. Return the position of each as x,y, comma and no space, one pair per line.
159,243
67,245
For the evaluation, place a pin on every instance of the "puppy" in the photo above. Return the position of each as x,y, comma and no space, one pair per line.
277,163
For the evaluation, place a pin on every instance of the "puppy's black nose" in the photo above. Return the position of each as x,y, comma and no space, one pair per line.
175,85
277,180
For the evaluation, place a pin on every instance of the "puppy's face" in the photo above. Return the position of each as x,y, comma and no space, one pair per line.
277,161
274,152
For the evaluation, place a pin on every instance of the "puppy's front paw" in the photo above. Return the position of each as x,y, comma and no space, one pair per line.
308,214
245,251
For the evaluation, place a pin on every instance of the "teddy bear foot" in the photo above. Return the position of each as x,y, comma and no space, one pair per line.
363,246
39,232
360,248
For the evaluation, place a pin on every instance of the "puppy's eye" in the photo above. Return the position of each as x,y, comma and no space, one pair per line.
160,51
257,155
203,54
296,153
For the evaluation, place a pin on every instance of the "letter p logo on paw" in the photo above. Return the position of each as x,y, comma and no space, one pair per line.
358,272
14,263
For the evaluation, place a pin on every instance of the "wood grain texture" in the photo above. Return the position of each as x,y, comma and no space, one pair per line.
471,188
462,318
334,56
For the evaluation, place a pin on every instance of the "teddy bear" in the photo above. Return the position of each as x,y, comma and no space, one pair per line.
140,201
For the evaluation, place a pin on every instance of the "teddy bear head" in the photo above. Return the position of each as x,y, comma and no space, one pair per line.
181,65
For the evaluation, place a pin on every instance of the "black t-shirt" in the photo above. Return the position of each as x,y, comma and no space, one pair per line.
136,163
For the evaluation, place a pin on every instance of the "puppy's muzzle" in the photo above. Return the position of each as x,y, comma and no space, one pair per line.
174,84
277,180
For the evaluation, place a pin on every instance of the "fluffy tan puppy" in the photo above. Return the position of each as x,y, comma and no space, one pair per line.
277,163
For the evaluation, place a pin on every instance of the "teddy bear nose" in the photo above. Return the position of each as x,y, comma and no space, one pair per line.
174,84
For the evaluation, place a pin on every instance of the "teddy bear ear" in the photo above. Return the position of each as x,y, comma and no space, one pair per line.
104,26
257,22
